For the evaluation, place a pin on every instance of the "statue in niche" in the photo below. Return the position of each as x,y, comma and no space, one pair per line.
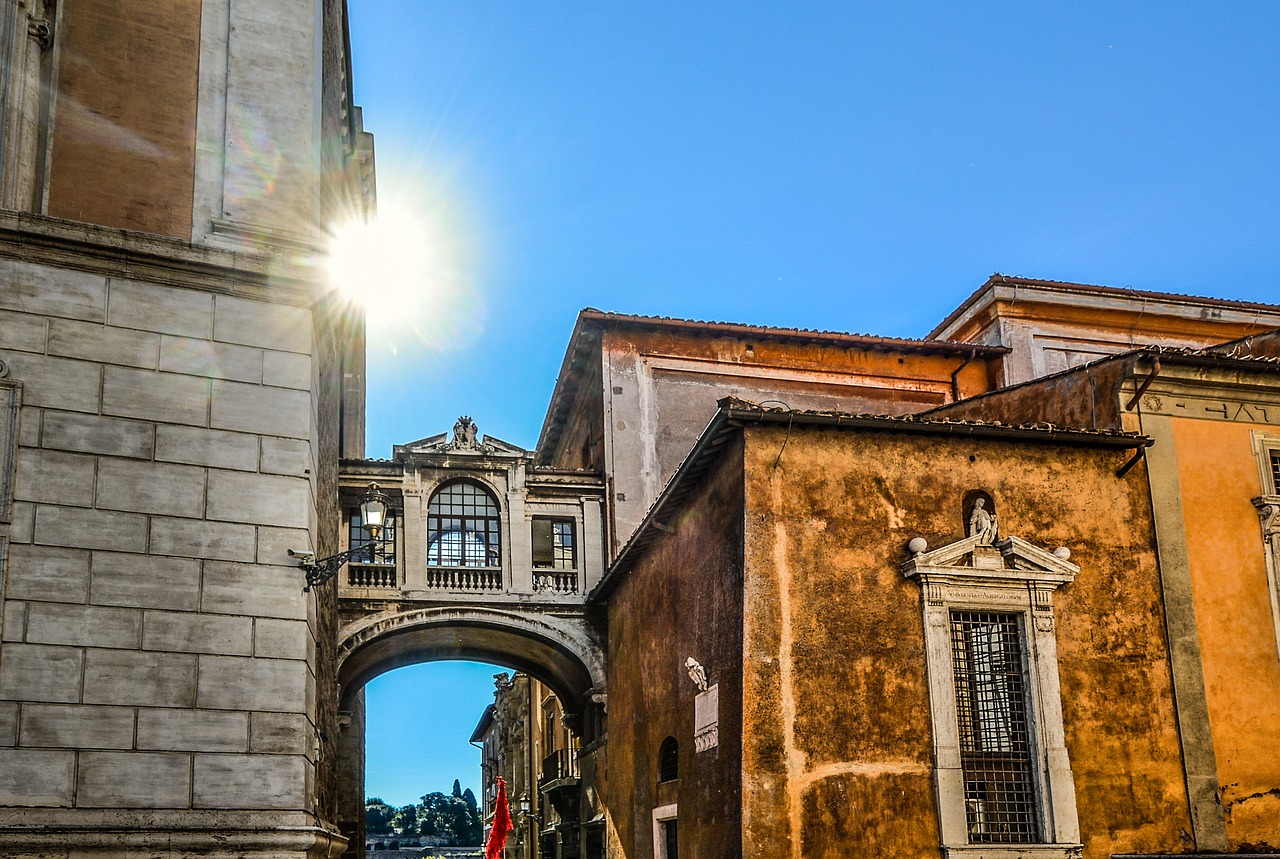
696,673
465,434
982,523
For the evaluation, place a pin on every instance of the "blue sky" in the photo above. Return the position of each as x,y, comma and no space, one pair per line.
850,166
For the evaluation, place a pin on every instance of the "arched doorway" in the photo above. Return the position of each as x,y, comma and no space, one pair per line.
561,652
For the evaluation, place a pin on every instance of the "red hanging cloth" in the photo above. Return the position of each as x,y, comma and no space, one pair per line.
501,824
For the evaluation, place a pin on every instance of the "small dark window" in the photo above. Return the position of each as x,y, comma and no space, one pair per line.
669,760
554,544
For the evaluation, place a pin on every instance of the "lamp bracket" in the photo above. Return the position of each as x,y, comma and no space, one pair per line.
321,570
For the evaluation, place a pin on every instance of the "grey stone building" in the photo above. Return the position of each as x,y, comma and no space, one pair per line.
176,385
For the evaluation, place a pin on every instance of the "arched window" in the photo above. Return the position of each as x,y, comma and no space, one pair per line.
669,760
463,528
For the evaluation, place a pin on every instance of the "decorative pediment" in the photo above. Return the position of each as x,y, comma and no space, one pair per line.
1010,560
465,439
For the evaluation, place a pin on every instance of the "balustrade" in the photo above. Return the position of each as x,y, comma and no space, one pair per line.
555,581
469,579
372,576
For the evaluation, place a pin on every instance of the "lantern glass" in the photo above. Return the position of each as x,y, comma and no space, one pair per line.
373,511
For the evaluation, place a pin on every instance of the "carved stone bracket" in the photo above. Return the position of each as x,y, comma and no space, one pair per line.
1269,514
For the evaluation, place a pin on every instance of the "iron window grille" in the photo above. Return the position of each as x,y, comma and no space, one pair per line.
463,527
379,551
995,736
669,760
1275,470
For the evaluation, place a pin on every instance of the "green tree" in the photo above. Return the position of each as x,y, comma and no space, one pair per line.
457,789
378,816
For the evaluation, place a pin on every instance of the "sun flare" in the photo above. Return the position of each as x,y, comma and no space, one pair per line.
389,264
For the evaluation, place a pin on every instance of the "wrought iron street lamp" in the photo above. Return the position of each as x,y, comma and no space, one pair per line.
373,517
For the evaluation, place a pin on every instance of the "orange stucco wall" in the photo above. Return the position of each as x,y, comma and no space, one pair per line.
837,746
1218,475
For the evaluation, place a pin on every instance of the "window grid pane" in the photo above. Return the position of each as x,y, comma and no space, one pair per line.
1275,471
995,740
463,528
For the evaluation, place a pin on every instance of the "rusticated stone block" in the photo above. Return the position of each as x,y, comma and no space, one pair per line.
287,370
263,499
250,781
215,448
103,344
139,677
134,780
56,383
193,538
97,434
36,777
90,529
255,409
8,723
149,487
53,477
211,360
235,683
83,625
193,730
146,581
76,726
252,590
48,573
188,632
258,323
47,291
163,309
280,639
40,672
22,332
286,456
166,397
280,733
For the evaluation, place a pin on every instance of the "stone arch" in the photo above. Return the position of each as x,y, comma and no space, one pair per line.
562,652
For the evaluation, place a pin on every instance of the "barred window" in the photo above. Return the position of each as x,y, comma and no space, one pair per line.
995,737
669,760
463,527
379,551
554,544
1275,470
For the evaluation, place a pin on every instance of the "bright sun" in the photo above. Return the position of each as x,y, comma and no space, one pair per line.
388,265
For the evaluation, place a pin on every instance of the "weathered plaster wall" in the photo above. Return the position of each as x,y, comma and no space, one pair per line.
683,600
126,109
837,757
661,389
1086,398
1218,474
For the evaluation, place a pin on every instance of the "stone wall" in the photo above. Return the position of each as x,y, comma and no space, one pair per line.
158,653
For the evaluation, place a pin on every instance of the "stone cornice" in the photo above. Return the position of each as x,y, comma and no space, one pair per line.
288,279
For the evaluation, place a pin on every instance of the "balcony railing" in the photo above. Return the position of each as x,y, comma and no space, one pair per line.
372,575
555,581
467,579
560,764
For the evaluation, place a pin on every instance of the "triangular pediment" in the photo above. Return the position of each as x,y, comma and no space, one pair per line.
1007,558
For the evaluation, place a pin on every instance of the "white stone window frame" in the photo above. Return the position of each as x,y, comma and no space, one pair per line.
662,814
1265,445
1016,578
